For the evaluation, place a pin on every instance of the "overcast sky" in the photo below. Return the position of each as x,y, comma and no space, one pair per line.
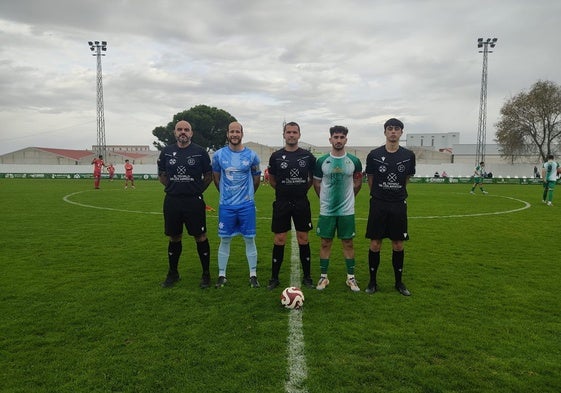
317,62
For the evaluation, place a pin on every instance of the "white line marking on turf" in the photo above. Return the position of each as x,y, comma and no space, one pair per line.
527,205
66,199
297,370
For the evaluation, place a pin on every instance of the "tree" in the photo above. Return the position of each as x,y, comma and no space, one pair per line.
209,125
530,122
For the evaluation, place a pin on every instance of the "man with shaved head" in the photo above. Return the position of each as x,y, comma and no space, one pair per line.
185,171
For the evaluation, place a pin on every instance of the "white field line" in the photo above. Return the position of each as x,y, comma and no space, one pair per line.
67,199
526,205
297,370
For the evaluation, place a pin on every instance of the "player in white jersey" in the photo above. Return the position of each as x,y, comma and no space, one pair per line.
550,171
337,180
236,176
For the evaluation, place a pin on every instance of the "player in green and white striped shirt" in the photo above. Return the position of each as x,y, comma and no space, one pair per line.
337,180
549,175
478,176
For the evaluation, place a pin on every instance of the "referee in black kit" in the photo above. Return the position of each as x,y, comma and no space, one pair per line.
184,169
291,175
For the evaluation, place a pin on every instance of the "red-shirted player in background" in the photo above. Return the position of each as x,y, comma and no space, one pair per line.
128,174
111,171
98,166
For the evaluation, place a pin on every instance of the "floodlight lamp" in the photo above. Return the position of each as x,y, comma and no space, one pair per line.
103,48
90,43
494,40
96,42
104,43
92,48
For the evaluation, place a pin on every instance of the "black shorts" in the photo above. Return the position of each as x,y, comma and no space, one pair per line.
297,210
184,210
387,220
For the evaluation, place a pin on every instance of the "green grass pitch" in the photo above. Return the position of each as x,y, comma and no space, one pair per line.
81,308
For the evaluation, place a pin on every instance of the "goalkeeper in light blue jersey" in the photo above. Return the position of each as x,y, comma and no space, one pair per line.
237,176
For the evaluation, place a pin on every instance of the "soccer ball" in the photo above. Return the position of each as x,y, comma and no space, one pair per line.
292,298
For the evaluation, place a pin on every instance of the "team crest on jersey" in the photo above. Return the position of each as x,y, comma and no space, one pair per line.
172,161
302,163
191,161
284,165
382,169
401,168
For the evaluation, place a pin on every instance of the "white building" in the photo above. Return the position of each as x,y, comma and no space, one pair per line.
434,141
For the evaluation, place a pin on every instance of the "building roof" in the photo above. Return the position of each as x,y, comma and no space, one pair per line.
73,154
135,155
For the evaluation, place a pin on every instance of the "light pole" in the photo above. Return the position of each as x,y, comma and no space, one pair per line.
98,48
482,130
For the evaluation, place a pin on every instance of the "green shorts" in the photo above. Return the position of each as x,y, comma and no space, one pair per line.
345,226
550,185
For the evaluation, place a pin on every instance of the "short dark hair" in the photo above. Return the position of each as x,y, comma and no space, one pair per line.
394,123
550,156
292,124
338,130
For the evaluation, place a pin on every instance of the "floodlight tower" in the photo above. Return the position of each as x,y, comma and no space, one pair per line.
482,130
98,48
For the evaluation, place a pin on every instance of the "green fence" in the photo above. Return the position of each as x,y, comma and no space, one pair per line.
151,176
145,176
